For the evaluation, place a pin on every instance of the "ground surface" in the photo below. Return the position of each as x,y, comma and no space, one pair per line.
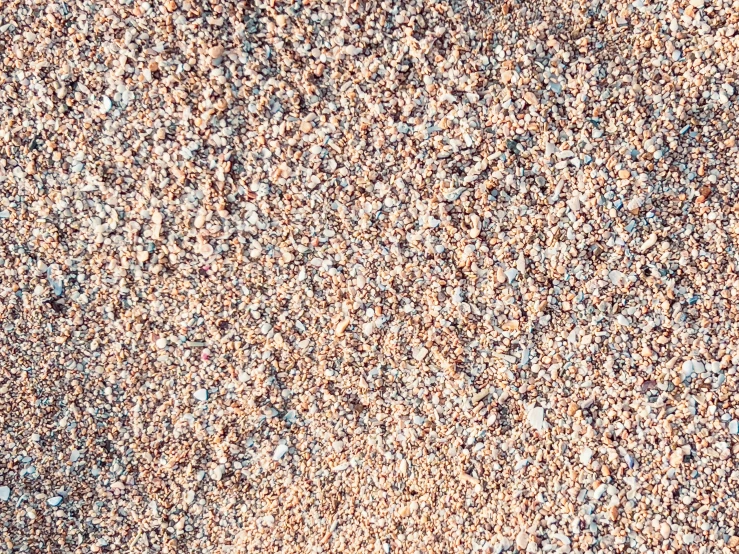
369,277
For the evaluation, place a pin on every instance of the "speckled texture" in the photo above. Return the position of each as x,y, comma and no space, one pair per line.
368,277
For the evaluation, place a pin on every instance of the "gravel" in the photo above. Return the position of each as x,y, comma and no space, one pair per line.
369,276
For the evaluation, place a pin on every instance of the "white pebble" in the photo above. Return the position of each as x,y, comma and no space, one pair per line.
420,353
201,395
623,320
536,418
651,241
105,105
206,249
586,455
521,263
597,493
616,277
4,493
280,451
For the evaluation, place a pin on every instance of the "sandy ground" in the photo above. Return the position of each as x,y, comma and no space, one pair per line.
412,277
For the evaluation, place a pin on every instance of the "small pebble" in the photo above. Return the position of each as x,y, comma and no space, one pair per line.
536,418
522,540
511,274
280,451
105,105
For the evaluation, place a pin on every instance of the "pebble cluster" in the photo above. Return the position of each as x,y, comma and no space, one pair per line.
369,276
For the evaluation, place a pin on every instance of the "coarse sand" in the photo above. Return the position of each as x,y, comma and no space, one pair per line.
369,277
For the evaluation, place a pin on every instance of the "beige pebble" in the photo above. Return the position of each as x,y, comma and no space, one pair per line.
341,326
522,540
480,395
531,98
206,249
475,226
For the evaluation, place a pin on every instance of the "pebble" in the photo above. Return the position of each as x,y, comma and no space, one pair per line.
599,491
522,540
476,226
54,501
341,326
536,418
201,395
480,395
280,451
531,98
420,353
4,493
651,241
206,250
586,455
105,105
511,274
